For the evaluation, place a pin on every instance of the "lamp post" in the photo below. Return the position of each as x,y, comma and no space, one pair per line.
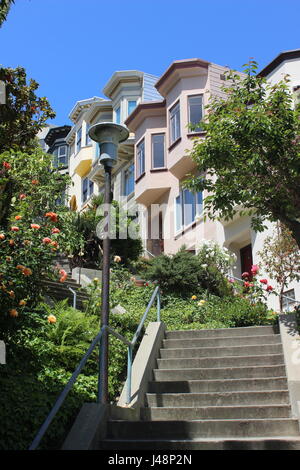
108,135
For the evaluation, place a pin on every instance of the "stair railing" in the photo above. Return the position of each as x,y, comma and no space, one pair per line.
97,341
289,299
74,296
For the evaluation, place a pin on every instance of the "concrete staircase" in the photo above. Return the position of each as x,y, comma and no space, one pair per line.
59,291
213,390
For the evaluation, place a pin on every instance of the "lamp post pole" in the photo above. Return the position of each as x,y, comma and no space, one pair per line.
108,136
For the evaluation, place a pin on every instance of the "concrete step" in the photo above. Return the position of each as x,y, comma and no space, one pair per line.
220,373
223,332
240,443
228,428
226,361
264,397
215,412
55,284
252,350
197,386
222,342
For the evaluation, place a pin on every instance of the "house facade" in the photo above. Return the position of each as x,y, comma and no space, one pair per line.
153,163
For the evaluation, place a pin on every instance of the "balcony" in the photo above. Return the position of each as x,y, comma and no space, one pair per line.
83,161
125,154
152,185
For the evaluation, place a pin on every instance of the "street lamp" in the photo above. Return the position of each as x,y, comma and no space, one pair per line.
108,135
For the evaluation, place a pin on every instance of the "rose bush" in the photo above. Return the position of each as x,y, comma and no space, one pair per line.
33,228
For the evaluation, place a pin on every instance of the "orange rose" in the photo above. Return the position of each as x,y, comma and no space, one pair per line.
18,217
35,226
13,312
14,229
51,319
35,182
27,272
22,302
2,236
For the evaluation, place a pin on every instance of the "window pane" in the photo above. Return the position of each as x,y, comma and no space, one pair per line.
129,180
87,137
189,209
158,150
178,213
140,159
195,110
91,187
199,203
78,140
131,106
118,115
175,123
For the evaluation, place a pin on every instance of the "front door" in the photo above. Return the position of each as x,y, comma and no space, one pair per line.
246,259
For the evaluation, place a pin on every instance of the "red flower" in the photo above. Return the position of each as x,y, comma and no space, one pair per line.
22,196
246,284
264,281
55,244
15,229
35,182
47,240
269,288
36,226
55,230
246,274
7,166
254,269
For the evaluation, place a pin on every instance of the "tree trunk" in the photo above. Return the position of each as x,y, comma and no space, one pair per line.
294,227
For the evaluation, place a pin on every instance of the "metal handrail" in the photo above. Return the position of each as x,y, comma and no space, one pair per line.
74,296
95,342
282,295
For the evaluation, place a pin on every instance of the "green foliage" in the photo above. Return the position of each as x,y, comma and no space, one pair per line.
249,159
24,113
4,9
184,274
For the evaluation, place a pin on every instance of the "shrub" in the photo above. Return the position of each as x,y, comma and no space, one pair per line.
183,274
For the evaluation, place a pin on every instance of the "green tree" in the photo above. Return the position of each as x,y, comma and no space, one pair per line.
4,9
24,113
281,257
250,156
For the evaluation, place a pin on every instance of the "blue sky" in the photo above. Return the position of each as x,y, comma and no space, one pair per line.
72,47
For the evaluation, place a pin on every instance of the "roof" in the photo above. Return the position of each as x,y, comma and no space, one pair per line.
180,64
286,55
56,133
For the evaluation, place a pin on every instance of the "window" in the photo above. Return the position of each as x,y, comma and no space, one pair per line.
141,158
188,205
60,156
78,139
158,151
174,123
288,301
88,140
118,115
129,180
131,106
87,189
195,106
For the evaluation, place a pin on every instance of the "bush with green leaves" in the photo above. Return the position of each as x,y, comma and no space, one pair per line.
185,274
